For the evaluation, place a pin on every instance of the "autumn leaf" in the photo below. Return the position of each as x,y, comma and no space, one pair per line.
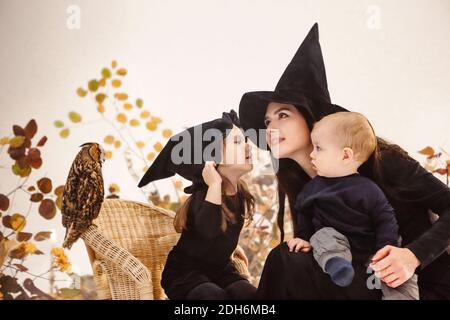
158,146
156,120
121,96
18,130
117,144
58,202
21,267
58,124
64,133
442,171
145,114
100,97
106,73
6,221
31,188
134,122
428,151
167,133
21,171
42,141
17,141
139,103
4,202
30,129
127,106
47,209
109,139
93,85
43,235
122,72
75,117
17,222
116,83
114,64
121,117
113,188
23,236
45,185
151,125
4,141
36,197
140,144
81,92
101,108
108,154
150,156
59,191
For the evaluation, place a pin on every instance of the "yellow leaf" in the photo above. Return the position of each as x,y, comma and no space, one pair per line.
139,103
127,106
101,108
122,118
108,154
150,156
117,144
121,96
64,133
17,222
93,85
30,247
3,141
17,141
428,151
145,114
109,139
140,144
114,64
74,117
102,82
81,92
134,122
113,187
167,133
106,73
122,72
158,146
100,97
116,83
156,120
151,125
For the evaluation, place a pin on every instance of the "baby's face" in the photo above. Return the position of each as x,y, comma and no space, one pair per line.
327,156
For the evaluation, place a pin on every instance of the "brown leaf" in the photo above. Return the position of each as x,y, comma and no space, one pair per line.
6,220
59,191
428,151
34,158
442,171
36,197
42,141
58,202
31,188
45,185
21,267
23,236
38,252
4,202
16,153
18,130
47,209
43,235
18,253
30,129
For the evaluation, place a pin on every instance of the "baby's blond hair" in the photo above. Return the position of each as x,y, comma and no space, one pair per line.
354,131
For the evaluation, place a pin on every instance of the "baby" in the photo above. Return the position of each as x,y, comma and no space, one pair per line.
342,214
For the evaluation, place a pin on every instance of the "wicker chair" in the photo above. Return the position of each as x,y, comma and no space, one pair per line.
128,247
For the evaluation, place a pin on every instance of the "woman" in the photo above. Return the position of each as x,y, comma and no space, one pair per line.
300,99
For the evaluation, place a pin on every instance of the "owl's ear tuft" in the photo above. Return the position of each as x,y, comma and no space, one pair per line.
86,144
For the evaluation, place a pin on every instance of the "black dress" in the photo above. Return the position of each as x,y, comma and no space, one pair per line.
203,252
290,275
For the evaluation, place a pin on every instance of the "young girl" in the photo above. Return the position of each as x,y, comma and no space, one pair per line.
210,221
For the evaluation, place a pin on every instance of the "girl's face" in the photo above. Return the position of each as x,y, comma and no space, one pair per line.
287,131
237,152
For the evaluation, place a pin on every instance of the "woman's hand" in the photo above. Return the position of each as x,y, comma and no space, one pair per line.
210,174
394,265
297,244
240,253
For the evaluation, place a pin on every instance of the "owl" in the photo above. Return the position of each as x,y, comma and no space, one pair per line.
83,192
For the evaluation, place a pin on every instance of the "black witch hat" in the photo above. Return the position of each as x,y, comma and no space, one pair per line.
186,152
303,84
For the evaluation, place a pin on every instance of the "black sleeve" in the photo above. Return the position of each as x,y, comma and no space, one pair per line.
383,217
206,216
305,228
421,188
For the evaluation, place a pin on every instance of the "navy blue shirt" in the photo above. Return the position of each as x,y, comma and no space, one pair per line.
353,205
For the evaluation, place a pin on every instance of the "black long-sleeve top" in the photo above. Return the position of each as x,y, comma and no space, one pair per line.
353,205
203,240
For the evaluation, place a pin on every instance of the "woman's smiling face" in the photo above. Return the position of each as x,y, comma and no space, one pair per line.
287,131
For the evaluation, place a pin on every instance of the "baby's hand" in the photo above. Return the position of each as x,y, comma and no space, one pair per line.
298,244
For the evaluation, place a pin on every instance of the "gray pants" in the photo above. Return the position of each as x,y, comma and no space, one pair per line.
328,243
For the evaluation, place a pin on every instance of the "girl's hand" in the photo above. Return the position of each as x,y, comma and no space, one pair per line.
298,244
394,265
240,253
210,174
